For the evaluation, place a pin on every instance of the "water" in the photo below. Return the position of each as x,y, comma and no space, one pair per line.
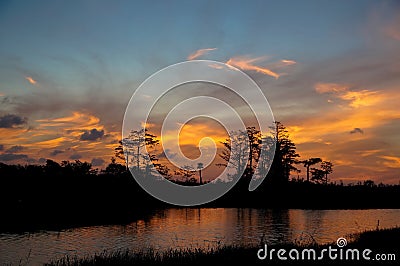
193,228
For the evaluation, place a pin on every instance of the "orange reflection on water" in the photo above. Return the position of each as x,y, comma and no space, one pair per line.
196,228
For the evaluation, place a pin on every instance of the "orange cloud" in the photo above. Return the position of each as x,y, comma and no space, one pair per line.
361,98
147,125
76,121
62,133
248,64
12,136
330,87
199,53
357,156
356,98
367,153
391,161
51,143
288,62
31,80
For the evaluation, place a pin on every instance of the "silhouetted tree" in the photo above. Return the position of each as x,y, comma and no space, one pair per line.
163,170
317,175
133,145
254,136
308,163
236,152
285,154
200,167
114,168
119,153
186,171
77,168
265,155
52,168
369,183
151,165
321,175
327,167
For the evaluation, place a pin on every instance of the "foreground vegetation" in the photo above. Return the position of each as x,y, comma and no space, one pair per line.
380,241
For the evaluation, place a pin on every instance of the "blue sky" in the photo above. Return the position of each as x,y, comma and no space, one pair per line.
87,57
144,36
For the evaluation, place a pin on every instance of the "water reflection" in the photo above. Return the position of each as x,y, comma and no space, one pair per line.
191,227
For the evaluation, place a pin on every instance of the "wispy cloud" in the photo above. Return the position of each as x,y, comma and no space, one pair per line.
361,98
356,99
366,153
76,121
51,142
60,136
330,87
31,80
249,64
391,161
199,53
288,62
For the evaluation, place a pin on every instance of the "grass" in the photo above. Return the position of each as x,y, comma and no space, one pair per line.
382,240
190,256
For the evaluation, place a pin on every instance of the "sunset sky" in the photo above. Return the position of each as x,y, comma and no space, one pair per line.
330,70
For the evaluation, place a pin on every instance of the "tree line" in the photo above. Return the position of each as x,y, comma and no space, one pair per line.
246,158
248,152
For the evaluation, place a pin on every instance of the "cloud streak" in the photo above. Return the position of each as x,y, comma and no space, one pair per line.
31,80
391,161
288,62
330,88
249,64
200,53
355,98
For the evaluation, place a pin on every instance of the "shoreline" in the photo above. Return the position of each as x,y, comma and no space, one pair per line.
380,241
